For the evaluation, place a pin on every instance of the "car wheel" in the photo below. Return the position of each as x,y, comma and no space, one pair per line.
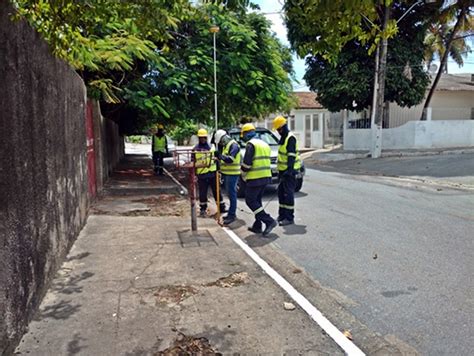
241,188
299,184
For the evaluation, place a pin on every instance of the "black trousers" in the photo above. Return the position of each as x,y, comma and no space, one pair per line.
253,199
204,183
286,197
158,158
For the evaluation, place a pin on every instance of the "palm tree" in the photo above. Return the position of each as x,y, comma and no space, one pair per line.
460,11
435,45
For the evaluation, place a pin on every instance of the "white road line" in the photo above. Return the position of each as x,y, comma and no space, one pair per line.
347,345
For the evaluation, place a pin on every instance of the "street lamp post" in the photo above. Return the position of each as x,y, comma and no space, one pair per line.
214,29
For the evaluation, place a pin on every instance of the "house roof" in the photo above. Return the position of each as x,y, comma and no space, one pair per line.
307,100
455,82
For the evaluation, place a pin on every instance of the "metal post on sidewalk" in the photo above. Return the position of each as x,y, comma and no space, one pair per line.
192,197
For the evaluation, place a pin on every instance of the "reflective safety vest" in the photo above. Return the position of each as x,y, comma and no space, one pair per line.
205,162
282,163
260,162
159,144
231,169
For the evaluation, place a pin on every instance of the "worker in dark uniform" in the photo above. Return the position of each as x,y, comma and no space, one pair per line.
206,172
159,148
288,164
256,172
228,153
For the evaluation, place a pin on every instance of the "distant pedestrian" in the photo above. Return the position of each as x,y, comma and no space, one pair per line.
206,172
288,164
159,148
256,172
228,153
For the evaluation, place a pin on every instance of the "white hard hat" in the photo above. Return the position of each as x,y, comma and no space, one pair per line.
218,136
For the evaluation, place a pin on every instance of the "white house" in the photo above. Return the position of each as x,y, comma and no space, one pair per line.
450,120
313,125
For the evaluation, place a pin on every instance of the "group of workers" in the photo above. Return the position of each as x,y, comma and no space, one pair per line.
254,168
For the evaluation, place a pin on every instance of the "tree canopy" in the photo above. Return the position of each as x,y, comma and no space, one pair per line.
340,50
348,78
151,61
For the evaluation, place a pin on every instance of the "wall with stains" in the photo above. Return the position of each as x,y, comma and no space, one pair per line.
43,171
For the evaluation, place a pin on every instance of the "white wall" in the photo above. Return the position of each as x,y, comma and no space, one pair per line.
416,134
446,105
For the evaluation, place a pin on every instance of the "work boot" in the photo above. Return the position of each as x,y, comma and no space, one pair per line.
202,213
280,218
222,208
160,171
269,227
229,219
255,230
286,222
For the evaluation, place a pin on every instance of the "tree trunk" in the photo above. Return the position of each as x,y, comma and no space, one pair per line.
444,61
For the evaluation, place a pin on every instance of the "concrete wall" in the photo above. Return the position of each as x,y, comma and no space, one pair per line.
108,143
416,134
43,171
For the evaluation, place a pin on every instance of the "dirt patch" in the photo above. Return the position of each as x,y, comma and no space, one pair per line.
189,345
158,205
166,205
174,294
232,280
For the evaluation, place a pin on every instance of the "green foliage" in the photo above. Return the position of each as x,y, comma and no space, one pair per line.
344,74
151,61
104,40
252,68
183,131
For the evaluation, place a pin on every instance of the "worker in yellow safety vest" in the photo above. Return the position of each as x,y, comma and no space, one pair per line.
228,153
204,157
288,164
257,174
159,148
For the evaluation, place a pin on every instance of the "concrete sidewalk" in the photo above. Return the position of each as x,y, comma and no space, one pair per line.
136,283
339,154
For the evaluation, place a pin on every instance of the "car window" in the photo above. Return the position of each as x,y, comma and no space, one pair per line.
265,136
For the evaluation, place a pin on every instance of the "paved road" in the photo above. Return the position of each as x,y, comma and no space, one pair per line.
402,251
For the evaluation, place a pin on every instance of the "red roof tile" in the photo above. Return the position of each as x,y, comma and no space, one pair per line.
307,100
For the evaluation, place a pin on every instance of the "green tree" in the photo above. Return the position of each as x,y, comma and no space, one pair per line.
349,79
325,27
252,68
460,11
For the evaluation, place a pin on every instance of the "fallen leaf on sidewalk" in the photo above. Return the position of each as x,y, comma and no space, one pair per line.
289,306
347,334
374,256
189,345
297,270
232,280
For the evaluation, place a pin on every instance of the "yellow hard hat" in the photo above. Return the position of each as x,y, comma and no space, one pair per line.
278,122
160,127
246,128
202,133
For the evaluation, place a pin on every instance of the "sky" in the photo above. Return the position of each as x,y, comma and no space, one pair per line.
271,9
